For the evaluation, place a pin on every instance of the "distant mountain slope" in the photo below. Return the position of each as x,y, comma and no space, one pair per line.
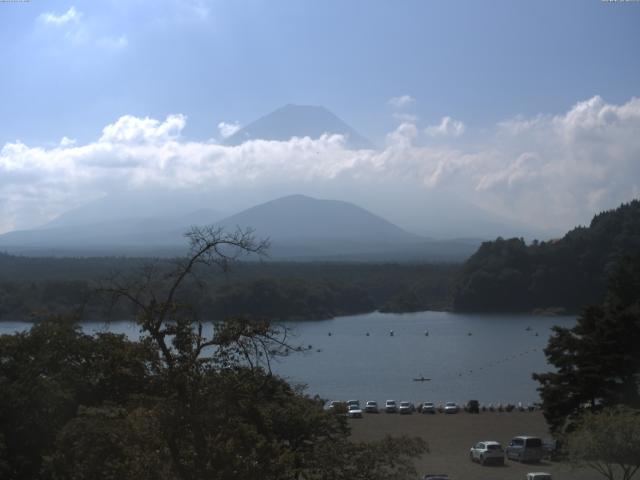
298,121
128,235
570,273
138,204
298,218
300,228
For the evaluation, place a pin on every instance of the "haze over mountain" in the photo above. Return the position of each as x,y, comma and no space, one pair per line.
299,227
299,217
299,121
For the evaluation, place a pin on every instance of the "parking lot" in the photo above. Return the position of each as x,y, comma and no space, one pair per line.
451,436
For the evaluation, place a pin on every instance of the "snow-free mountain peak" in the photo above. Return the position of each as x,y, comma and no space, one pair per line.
299,121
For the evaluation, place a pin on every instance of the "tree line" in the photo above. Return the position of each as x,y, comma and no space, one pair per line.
32,288
564,274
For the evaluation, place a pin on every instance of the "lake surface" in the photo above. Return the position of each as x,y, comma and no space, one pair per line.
494,364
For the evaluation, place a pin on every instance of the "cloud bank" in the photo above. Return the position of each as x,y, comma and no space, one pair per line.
551,171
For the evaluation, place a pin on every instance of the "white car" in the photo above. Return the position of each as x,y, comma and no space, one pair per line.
406,407
451,407
371,407
353,402
428,407
487,451
538,476
354,411
390,406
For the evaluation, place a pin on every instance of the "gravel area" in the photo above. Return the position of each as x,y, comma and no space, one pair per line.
451,436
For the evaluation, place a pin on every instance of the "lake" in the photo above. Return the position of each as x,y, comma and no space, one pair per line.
485,357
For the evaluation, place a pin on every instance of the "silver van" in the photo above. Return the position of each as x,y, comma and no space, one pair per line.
525,449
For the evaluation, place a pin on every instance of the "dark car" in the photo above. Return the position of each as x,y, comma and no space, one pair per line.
525,449
473,406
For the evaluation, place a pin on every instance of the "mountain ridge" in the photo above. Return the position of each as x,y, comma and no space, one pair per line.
292,120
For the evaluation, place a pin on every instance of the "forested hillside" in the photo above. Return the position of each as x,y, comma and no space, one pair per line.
567,274
33,288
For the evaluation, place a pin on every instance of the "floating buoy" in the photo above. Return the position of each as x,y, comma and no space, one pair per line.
391,333
367,334
426,333
329,333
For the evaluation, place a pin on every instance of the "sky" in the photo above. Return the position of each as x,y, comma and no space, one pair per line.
527,110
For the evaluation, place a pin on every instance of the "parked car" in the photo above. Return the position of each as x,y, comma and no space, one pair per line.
406,407
371,407
473,406
451,407
525,449
435,476
390,406
486,452
428,407
538,476
354,411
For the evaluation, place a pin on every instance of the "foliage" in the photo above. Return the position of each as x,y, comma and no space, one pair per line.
509,275
597,361
48,372
608,442
180,403
34,288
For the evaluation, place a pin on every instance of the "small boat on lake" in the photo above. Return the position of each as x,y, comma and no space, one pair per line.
421,379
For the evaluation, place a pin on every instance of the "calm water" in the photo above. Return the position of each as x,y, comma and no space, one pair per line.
493,364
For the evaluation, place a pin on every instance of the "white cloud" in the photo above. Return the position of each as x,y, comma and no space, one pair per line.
67,142
447,127
130,129
548,170
81,33
70,16
401,101
228,129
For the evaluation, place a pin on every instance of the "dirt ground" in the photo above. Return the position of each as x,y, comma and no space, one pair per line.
451,436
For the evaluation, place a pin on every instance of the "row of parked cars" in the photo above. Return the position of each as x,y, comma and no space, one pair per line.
353,409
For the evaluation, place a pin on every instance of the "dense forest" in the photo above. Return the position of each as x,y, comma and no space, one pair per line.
559,275
33,288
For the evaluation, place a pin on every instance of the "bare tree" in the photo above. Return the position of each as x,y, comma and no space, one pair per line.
174,325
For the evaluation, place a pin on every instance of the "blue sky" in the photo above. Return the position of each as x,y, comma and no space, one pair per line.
528,110
237,60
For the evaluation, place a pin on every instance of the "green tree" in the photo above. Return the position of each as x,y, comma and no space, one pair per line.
46,374
607,442
597,361
187,401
